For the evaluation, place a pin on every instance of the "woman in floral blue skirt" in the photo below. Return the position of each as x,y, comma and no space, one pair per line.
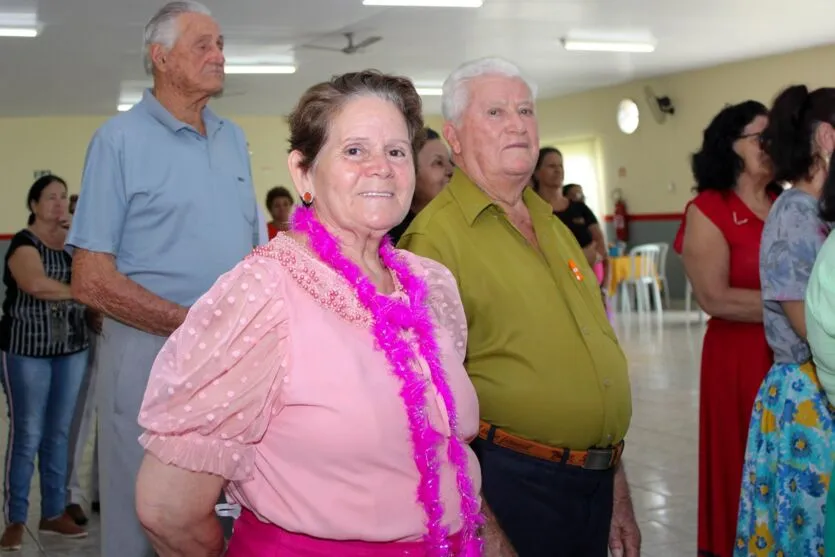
789,457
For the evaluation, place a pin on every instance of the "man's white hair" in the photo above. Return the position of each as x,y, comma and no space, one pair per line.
456,89
162,28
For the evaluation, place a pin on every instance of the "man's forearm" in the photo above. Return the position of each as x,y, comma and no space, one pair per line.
496,543
622,492
122,299
113,294
624,534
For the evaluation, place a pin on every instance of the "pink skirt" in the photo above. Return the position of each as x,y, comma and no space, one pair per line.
253,538
598,272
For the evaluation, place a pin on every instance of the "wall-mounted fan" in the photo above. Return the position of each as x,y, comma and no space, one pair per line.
352,47
659,106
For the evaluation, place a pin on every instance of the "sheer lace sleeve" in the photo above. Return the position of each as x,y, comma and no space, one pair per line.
445,302
216,383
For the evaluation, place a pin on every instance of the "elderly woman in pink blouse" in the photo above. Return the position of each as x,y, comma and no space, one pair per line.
320,383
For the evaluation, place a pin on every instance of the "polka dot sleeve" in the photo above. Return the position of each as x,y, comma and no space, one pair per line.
445,303
215,385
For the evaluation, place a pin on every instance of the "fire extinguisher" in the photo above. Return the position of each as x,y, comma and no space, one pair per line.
621,219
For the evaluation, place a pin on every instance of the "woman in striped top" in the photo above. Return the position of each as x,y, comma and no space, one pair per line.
44,341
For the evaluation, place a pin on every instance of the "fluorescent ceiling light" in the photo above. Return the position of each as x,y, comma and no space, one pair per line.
607,46
19,31
124,107
429,91
260,69
426,3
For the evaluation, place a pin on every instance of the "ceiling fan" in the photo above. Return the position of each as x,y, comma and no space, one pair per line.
352,47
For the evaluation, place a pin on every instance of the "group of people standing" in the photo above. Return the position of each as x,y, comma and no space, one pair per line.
352,398
754,243
357,399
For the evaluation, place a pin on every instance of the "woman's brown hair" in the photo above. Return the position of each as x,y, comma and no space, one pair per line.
311,119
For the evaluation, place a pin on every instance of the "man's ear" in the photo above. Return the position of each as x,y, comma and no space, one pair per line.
157,54
451,136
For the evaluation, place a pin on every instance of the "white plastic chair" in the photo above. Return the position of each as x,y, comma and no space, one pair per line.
662,272
688,298
645,260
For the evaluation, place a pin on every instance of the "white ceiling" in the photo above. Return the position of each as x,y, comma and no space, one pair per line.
88,48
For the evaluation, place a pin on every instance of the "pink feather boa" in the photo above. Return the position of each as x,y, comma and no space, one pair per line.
390,319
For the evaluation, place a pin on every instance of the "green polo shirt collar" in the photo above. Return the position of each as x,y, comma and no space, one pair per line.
474,201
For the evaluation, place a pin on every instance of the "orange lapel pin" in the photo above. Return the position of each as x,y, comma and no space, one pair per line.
575,269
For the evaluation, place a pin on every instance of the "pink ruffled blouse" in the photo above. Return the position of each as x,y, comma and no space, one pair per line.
273,382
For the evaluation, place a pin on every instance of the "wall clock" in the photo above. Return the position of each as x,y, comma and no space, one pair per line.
628,116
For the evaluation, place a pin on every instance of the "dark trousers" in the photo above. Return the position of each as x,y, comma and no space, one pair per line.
547,509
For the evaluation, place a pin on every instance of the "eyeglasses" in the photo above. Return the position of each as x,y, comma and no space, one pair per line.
757,137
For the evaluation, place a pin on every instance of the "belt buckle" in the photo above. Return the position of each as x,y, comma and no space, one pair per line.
598,459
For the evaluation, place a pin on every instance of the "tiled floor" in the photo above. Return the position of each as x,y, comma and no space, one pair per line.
661,457
661,454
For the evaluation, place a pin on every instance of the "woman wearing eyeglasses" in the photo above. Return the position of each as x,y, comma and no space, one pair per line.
789,459
719,241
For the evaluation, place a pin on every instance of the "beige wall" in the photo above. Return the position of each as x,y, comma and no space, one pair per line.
654,158
657,156
59,145
30,144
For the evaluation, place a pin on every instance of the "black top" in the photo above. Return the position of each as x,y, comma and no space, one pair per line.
398,231
578,218
40,328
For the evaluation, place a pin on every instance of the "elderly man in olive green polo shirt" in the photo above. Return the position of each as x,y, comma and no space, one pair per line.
551,378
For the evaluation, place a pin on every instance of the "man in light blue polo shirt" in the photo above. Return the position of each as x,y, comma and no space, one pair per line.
167,206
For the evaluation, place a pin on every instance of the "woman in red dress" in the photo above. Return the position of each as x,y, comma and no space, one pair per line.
719,241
